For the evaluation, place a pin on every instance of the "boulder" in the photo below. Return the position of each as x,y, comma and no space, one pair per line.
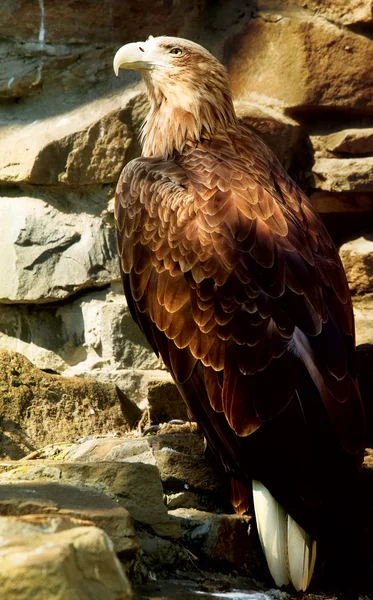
226,539
351,12
134,486
55,245
59,559
357,259
281,133
165,402
108,21
60,502
363,310
301,62
79,148
37,408
343,174
179,457
92,335
345,141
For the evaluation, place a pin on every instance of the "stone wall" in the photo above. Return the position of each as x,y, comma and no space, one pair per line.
302,78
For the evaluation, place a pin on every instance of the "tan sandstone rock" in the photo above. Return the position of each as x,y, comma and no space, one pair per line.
179,457
78,148
37,408
345,141
357,258
54,559
135,486
363,310
301,62
344,174
36,489
346,12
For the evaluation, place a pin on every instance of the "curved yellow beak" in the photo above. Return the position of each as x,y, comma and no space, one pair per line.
131,56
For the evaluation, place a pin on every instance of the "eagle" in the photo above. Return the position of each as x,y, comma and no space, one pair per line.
234,281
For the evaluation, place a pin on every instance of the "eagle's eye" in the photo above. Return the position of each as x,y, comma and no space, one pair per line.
176,51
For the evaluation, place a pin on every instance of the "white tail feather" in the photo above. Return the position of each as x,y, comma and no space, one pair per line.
271,524
302,555
289,550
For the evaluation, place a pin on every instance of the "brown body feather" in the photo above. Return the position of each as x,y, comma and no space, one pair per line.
235,282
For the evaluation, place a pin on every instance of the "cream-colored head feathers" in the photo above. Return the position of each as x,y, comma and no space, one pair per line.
188,90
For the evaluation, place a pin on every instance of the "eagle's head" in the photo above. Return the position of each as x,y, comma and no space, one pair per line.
188,89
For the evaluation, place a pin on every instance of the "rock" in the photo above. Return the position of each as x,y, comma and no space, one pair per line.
91,336
134,486
179,457
44,559
161,559
352,12
343,174
345,141
37,493
301,62
230,539
54,245
105,22
37,408
357,258
78,148
281,133
363,310
165,402
327,202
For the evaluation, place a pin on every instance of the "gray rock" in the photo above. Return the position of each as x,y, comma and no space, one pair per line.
230,539
54,245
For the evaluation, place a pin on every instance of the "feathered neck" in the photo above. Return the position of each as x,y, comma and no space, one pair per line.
181,114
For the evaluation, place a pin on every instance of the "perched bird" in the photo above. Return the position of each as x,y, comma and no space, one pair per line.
236,284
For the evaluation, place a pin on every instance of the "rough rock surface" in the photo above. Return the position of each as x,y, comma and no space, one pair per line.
357,258
135,486
56,559
54,245
35,491
296,59
37,408
93,335
344,175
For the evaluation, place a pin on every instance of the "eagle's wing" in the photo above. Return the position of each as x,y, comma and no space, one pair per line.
235,282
